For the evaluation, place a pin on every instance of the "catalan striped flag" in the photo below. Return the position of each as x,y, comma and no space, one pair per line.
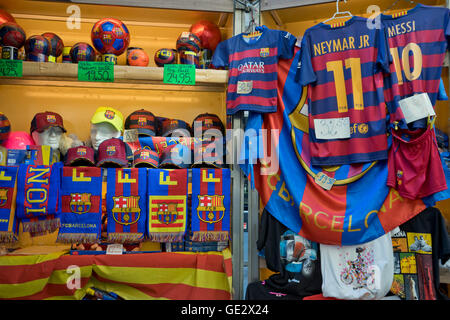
210,216
144,276
81,197
126,204
167,191
38,198
8,191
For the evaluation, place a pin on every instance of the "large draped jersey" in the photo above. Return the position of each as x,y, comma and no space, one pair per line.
342,65
253,65
417,41
358,208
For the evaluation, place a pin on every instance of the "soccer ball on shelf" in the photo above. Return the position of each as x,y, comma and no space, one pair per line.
208,33
82,51
137,57
6,17
56,45
111,38
37,48
165,56
188,41
12,38
5,127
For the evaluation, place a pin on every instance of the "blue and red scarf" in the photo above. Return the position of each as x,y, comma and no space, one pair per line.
210,204
126,195
8,191
38,203
167,191
81,198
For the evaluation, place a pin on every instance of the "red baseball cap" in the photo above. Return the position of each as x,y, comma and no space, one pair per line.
44,120
112,151
80,156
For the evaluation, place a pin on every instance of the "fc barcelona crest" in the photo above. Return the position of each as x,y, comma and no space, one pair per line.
109,114
142,121
80,202
51,118
126,210
110,150
264,53
3,197
167,213
210,208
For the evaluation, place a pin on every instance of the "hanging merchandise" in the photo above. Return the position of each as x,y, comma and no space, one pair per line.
210,215
346,125
417,42
325,205
81,198
167,204
8,192
361,272
418,246
38,198
252,60
126,204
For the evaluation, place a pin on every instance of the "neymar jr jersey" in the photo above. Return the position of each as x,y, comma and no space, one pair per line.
253,65
343,65
417,44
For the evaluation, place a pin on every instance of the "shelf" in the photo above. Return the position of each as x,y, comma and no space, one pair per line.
125,77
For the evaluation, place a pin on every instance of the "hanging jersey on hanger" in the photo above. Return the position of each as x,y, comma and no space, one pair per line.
252,60
342,65
417,44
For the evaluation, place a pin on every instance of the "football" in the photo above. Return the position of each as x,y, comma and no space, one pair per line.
137,57
82,51
110,37
188,41
5,127
56,44
165,56
208,33
12,35
37,48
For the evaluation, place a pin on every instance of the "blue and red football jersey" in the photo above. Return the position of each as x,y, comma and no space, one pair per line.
253,66
417,44
343,65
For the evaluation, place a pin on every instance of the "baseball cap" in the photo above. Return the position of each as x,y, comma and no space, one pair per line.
168,126
110,115
177,157
112,153
44,120
145,158
80,156
208,121
143,121
208,153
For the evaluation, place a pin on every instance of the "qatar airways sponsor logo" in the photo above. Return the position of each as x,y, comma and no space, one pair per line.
251,67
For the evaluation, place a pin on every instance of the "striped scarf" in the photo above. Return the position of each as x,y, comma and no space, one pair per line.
8,190
210,204
167,190
38,203
126,191
81,198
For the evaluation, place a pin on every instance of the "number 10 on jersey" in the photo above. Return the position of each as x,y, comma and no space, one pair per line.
337,67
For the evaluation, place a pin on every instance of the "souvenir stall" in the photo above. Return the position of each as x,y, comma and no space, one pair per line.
351,177
135,139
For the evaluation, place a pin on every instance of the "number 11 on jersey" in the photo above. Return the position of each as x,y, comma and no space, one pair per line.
354,64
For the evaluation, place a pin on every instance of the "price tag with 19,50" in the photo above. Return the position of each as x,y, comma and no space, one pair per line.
96,71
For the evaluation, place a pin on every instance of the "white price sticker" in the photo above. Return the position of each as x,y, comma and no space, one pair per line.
416,107
130,135
334,128
244,87
115,248
324,181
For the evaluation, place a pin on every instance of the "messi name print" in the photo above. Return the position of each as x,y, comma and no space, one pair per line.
210,204
126,204
167,192
342,66
417,43
81,201
8,190
252,60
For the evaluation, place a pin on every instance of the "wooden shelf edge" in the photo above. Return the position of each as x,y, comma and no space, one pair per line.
69,71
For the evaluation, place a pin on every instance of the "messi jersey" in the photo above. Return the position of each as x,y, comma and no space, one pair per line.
253,65
417,44
342,65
